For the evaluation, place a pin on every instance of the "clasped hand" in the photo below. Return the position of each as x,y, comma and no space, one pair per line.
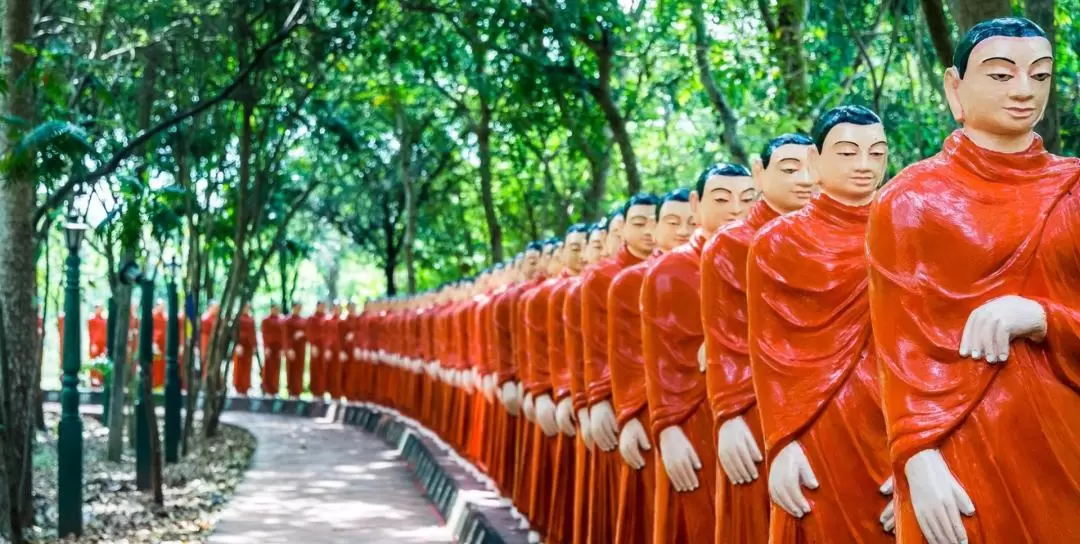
632,441
737,451
564,416
937,498
605,428
681,461
545,415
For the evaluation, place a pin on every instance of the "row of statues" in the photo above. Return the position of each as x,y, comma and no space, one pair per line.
796,353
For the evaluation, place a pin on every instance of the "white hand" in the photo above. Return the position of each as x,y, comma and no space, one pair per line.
585,425
154,349
789,472
348,337
681,462
297,335
290,354
529,408
937,498
545,415
356,354
605,427
701,360
314,352
239,350
888,516
342,357
738,451
632,441
510,398
991,327
564,416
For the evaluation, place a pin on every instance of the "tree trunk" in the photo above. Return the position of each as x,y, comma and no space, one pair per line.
727,121
18,318
119,356
622,139
599,162
968,13
788,51
940,30
389,266
483,138
1042,12
403,163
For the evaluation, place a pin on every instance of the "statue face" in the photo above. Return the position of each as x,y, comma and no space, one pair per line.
296,309
574,250
275,309
786,184
726,199
531,264
675,226
637,232
852,162
555,262
595,250
614,239
320,307
1005,88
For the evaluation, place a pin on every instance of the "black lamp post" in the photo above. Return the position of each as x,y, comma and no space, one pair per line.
70,441
172,369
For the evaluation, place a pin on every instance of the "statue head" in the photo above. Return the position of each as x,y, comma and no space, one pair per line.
597,237
1000,82
850,154
674,222
637,231
614,239
530,265
574,247
782,172
723,193
296,308
275,309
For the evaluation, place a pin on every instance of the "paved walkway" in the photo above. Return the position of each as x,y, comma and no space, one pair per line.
317,483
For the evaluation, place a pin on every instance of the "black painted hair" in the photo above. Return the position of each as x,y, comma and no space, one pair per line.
1009,27
552,242
640,199
856,115
600,225
577,227
536,246
682,194
725,169
617,211
780,141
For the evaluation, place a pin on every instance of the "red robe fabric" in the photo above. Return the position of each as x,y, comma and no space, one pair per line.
97,327
206,327
505,369
814,373
563,447
245,337
526,446
160,323
334,350
316,337
604,506
575,364
742,511
537,381
627,364
672,336
296,340
946,236
273,334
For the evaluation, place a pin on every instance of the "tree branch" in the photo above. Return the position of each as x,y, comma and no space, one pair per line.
134,145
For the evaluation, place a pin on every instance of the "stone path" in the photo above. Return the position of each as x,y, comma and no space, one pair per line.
314,482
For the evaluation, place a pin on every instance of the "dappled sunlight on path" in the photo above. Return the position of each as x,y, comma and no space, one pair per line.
314,482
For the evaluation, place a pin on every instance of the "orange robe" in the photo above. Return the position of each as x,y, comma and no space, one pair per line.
97,327
604,506
294,326
206,327
946,236
60,332
627,365
245,337
161,322
575,385
526,446
672,336
332,354
742,511
813,368
537,381
505,371
273,331
315,333
563,447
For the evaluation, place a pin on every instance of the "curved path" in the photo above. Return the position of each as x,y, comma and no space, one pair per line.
314,482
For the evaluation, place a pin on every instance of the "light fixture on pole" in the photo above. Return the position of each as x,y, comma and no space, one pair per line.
173,395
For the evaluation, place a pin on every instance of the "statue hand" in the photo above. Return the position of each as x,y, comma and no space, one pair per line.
239,351
290,354
585,425
787,475
681,462
545,415
937,498
605,428
510,398
342,357
564,416
991,327
888,516
632,441
738,451
528,408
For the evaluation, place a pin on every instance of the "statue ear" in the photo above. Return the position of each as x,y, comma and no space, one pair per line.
952,93
757,171
813,158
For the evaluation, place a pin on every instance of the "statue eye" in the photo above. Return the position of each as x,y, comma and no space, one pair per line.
1001,77
1042,76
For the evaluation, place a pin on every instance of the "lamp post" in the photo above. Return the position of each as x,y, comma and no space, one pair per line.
70,442
172,369
145,399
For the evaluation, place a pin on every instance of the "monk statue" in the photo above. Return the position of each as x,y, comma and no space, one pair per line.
973,294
